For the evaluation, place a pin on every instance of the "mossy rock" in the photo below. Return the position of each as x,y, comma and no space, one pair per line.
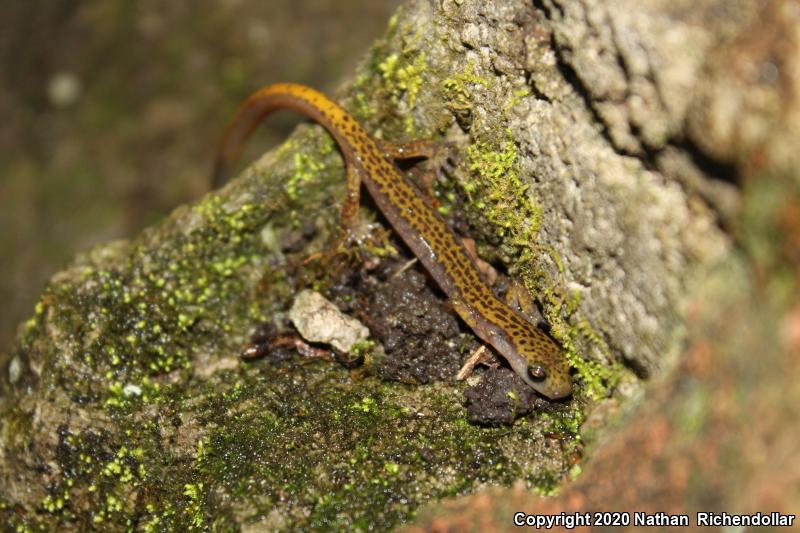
126,404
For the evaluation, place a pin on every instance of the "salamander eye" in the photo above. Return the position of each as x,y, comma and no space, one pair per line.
537,373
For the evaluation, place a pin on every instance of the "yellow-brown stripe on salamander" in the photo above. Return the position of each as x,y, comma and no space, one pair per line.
530,352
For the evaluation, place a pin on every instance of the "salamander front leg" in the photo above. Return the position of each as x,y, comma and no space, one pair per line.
419,149
518,297
437,154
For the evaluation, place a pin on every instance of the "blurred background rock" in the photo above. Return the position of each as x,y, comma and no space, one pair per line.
111,110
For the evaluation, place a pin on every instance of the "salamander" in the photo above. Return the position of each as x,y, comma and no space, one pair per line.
531,353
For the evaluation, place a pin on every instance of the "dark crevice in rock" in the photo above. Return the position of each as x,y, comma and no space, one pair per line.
713,168
574,80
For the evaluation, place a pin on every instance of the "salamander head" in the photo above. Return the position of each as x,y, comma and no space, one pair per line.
541,363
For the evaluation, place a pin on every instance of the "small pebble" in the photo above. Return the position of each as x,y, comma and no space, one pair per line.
318,320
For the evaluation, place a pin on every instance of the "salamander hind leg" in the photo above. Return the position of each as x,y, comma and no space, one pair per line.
347,232
349,217
488,272
438,154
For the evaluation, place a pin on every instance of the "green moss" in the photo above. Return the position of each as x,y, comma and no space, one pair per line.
391,26
402,77
306,167
546,484
404,74
308,164
393,78
561,310
457,90
99,476
362,347
270,438
516,97
361,107
567,423
494,189
194,509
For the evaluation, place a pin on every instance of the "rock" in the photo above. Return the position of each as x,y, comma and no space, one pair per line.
318,320
124,403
